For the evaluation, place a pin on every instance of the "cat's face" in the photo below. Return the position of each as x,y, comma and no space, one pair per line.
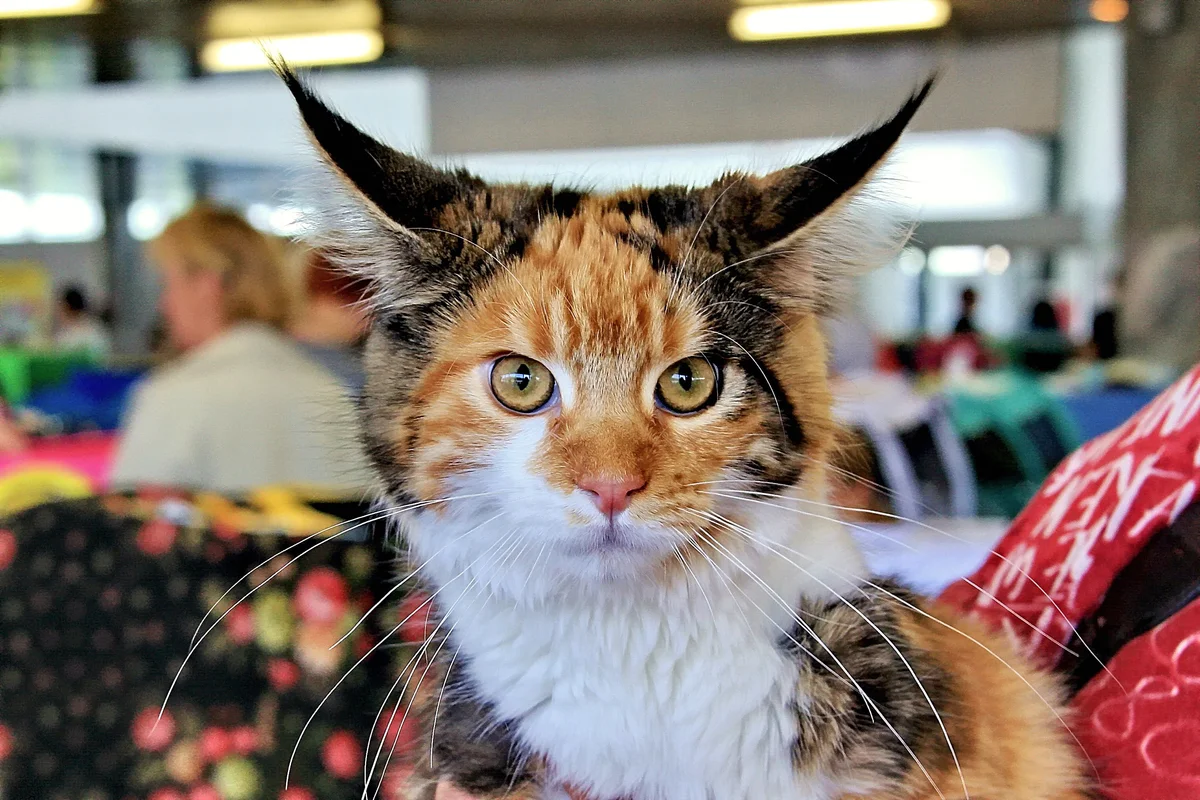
588,376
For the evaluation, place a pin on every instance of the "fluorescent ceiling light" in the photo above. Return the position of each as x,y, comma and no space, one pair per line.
232,20
840,17
45,8
341,47
959,261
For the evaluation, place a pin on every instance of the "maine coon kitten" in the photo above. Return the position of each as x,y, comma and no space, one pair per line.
615,409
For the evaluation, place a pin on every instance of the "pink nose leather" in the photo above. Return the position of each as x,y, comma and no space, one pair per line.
611,495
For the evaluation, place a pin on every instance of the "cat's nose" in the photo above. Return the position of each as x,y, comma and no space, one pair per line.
609,493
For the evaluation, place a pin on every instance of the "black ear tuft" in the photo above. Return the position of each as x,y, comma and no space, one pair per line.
404,189
797,195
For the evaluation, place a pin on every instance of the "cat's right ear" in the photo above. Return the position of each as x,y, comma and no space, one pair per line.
401,190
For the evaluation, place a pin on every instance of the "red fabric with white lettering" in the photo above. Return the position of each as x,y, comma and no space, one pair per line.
1092,515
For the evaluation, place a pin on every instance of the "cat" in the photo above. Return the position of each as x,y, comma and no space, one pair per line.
609,418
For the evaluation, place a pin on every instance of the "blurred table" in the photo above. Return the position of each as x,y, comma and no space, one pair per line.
928,556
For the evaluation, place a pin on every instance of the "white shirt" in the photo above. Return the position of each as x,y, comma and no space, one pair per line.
244,411
85,334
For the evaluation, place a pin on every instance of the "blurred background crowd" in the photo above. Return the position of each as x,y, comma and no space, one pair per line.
152,204
162,322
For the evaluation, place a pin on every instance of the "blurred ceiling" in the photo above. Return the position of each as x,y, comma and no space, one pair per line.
448,33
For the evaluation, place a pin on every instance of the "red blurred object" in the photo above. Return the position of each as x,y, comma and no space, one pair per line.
6,743
167,793
1064,313
342,755
395,779
156,537
150,732
887,359
215,744
322,596
244,740
396,737
225,530
413,618
300,793
8,548
204,792
283,674
240,624
88,455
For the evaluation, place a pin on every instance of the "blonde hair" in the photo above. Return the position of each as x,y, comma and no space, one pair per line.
250,265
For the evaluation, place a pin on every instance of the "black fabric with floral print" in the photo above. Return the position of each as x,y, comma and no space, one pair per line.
99,602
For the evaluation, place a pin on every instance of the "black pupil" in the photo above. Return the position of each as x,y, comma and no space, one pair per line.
522,377
684,377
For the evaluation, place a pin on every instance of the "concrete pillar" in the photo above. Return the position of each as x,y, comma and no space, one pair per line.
124,264
1163,124
1091,177
1160,308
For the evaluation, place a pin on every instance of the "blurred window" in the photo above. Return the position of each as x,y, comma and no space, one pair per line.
48,193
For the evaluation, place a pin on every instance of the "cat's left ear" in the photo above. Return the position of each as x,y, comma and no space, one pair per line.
402,189
813,228
376,221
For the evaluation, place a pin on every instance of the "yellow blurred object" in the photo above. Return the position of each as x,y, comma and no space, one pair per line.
282,510
301,50
1109,10
836,18
46,8
223,511
26,488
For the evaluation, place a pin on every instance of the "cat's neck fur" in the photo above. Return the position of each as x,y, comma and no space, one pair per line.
644,689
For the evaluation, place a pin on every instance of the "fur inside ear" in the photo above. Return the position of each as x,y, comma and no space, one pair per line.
820,229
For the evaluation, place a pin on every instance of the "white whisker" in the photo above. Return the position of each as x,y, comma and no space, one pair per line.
908,666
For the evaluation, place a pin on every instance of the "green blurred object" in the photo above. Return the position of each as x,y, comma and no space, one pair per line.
24,371
1015,432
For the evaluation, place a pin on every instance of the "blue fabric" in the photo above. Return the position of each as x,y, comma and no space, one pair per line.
87,400
1099,412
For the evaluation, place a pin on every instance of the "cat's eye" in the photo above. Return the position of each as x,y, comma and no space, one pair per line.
687,386
521,384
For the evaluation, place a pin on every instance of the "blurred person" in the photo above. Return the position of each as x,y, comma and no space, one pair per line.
333,324
1044,347
1160,317
1104,335
968,300
78,327
965,351
242,407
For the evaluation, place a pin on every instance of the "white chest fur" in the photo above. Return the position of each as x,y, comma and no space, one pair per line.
634,704
650,691
664,694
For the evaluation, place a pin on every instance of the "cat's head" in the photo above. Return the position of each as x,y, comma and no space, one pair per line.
587,373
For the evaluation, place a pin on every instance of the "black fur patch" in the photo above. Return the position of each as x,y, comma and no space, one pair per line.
848,722
806,190
562,202
470,748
